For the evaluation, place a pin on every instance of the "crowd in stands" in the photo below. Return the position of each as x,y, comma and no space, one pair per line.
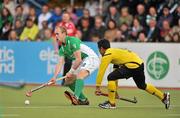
115,20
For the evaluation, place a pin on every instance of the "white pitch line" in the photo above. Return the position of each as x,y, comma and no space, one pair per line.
9,115
173,114
70,106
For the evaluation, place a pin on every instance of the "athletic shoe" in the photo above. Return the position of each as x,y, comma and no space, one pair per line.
166,100
107,105
83,102
71,97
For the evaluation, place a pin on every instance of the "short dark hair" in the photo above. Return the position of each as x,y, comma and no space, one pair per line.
104,44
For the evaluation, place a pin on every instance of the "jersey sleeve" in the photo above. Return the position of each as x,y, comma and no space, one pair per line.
75,45
105,61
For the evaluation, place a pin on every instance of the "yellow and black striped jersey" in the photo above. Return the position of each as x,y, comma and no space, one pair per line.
117,56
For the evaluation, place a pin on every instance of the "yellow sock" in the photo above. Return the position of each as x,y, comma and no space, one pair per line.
112,91
154,91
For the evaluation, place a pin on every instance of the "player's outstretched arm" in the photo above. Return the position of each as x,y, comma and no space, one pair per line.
58,68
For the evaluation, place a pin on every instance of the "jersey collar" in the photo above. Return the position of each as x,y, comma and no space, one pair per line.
66,41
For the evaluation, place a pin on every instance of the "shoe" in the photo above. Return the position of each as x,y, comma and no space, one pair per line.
83,102
166,100
107,105
71,97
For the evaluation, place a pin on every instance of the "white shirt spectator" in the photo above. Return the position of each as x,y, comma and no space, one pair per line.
11,5
43,17
92,6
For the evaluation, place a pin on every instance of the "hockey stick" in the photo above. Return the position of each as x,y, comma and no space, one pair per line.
29,93
122,98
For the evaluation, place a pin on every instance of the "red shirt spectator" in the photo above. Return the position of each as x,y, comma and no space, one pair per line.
70,27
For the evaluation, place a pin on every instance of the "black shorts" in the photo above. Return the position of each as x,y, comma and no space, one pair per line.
123,72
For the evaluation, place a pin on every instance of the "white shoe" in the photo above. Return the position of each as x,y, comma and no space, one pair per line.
107,105
166,100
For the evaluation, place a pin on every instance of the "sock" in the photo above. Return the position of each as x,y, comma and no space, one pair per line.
112,91
72,87
154,91
79,85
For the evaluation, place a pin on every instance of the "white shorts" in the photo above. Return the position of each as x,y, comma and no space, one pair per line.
89,63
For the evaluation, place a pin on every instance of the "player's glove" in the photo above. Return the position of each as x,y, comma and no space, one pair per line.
98,91
53,80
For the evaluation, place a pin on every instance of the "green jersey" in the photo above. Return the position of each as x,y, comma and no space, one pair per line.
73,44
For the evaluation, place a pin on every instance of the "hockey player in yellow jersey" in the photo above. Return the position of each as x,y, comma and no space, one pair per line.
128,64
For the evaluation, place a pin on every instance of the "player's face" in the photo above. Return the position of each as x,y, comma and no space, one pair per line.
59,35
101,50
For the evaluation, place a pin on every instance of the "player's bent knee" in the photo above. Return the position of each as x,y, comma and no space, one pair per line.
142,86
110,77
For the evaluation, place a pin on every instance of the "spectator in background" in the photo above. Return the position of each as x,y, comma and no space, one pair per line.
68,24
136,28
176,16
25,6
5,17
13,36
104,5
41,33
112,14
125,17
176,38
19,14
141,14
174,33
85,30
95,38
70,10
99,28
142,37
48,35
44,16
176,28
111,31
153,32
56,16
5,31
165,16
32,15
164,31
108,3
86,14
92,6
125,31
152,15
119,36
30,31
10,5
18,27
